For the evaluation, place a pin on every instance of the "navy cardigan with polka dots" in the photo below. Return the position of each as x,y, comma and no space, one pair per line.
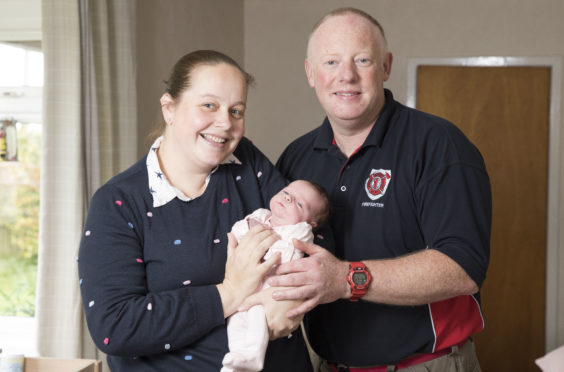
148,274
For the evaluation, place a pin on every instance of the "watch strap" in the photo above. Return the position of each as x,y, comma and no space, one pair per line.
358,288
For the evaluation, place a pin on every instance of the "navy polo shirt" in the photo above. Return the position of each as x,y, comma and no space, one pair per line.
148,275
417,182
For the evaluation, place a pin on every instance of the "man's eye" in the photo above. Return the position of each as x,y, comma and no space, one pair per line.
331,63
363,61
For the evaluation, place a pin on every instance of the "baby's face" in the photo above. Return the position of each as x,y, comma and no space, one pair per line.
297,202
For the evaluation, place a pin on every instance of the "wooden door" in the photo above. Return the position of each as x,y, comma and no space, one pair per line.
504,111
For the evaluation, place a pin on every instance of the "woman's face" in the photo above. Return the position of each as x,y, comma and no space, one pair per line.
206,123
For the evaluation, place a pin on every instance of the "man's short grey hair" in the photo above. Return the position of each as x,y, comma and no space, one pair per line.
345,11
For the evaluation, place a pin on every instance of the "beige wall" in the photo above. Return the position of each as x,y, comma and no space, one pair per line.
283,106
269,36
166,30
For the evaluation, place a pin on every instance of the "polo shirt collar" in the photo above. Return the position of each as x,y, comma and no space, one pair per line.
325,137
159,186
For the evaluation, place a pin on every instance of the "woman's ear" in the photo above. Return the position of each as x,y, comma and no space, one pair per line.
167,106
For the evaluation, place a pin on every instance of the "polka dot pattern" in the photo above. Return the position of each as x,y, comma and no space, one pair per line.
135,220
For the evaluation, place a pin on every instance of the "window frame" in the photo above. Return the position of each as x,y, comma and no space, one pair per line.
25,105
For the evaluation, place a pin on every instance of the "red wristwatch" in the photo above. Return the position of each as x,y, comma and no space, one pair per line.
359,279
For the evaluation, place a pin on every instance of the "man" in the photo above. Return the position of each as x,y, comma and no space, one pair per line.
411,217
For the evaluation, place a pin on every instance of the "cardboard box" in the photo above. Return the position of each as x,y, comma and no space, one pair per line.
61,365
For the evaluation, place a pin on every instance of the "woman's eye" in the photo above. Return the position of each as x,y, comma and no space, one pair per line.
208,105
237,112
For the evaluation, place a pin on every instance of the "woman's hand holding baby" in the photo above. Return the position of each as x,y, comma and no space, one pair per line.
245,268
279,325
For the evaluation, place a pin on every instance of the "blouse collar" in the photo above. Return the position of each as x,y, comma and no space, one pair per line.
159,186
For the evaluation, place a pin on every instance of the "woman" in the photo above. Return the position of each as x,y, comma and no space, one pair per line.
158,275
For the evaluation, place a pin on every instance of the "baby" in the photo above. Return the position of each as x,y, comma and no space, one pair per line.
294,212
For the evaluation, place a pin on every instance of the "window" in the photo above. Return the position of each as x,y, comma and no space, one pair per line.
21,80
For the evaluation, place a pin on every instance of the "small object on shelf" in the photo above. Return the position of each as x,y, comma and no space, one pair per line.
8,141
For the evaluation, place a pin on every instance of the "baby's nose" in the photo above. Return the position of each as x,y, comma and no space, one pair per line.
287,198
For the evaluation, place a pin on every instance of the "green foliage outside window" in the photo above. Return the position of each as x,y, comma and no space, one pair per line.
19,225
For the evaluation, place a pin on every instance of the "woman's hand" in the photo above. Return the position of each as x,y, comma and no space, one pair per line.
244,268
279,325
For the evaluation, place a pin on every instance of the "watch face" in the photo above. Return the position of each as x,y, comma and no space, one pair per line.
359,278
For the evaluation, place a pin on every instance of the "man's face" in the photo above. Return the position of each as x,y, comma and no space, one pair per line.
347,66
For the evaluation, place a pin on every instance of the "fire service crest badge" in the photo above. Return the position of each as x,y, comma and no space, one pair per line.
377,183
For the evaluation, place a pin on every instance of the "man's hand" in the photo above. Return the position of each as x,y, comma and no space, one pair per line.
317,279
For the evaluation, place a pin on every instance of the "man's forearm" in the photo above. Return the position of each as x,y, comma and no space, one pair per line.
417,279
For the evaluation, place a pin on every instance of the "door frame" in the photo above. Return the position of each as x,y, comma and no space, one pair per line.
554,327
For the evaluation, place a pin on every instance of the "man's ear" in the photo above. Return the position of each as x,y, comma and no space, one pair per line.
309,73
388,59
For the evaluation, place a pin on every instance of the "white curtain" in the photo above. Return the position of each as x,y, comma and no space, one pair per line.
89,134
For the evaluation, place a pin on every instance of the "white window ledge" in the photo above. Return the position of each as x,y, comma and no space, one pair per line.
18,335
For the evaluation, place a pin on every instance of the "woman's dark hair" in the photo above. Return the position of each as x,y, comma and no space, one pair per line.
180,77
